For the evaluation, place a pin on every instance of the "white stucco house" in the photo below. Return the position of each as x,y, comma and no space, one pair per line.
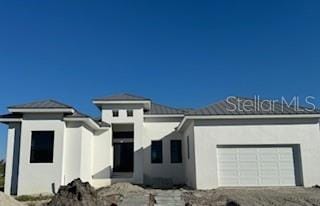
50,143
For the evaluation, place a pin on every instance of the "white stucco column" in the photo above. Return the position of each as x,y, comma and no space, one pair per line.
138,147
9,160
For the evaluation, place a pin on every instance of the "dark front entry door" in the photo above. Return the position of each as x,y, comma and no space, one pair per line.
123,157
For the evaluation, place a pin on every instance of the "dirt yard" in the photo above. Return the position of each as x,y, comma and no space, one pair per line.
79,194
254,197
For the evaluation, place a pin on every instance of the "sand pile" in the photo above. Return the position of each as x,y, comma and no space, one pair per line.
120,188
8,201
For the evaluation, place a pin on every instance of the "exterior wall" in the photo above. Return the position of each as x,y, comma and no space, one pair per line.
190,164
165,171
86,155
137,120
78,153
12,158
209,134
102,158
72,148
39,177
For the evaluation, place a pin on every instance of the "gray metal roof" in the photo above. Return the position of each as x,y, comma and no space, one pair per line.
162,109
78,114
122,97
246,106
43,104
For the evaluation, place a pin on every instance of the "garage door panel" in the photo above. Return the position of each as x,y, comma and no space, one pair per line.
248,157
269,165
256,166
267,150
269,181
228,173
248,181
268,157
269,173
287,181
228,165
229,181
250,173
227,157
248,165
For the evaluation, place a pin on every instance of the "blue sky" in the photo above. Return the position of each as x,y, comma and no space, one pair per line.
180,53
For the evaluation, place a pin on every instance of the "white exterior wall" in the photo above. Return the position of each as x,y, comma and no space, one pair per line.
190,164
79,153
86,155
37,178
72,148
209,134
102,159
14,131
164,131
137,120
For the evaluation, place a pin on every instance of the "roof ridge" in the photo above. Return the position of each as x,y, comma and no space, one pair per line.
122,96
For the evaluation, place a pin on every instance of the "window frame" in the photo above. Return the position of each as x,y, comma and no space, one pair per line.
129,113
153,145
115,113
177,159
50,158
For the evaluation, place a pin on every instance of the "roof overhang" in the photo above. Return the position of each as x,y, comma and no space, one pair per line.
41,110
87,121
146,103
9,120
228,117
162,115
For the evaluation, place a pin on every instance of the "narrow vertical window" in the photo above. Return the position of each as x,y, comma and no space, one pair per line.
176,152
115,113
188,147
129,113
42,147
156,151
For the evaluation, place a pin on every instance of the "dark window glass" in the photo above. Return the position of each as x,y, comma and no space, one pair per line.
156,152
129,113
120,135
176,152
188,147
42,147
115,113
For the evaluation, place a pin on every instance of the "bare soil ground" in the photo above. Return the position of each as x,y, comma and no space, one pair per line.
81,194
254,197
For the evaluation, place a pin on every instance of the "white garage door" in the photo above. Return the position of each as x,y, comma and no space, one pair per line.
256,166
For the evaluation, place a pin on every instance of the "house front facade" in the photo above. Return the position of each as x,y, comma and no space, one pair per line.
137,140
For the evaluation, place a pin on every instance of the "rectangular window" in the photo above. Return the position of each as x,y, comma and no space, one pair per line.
176,151
129,113
115,113
42,147
188,147
156,151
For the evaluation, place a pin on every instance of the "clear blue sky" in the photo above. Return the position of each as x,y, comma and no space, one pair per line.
180,53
